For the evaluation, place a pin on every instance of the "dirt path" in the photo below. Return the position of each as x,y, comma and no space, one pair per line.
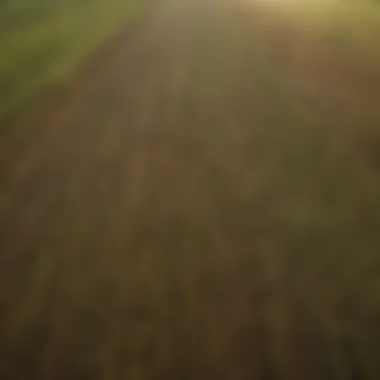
141,235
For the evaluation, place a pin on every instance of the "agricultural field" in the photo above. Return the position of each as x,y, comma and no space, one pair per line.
202,203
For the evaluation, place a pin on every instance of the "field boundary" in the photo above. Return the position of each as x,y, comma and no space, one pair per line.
48,94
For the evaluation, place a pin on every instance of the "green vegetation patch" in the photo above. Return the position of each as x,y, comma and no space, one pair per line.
44,41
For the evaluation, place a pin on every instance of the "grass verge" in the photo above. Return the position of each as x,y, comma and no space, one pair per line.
44,43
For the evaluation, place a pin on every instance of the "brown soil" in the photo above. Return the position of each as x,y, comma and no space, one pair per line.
137,239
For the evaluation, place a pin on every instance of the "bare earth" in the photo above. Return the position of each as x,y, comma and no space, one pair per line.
148,225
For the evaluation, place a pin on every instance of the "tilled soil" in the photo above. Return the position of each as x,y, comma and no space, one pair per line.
144,219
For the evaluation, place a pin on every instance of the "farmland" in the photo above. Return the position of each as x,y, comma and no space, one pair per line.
201,203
